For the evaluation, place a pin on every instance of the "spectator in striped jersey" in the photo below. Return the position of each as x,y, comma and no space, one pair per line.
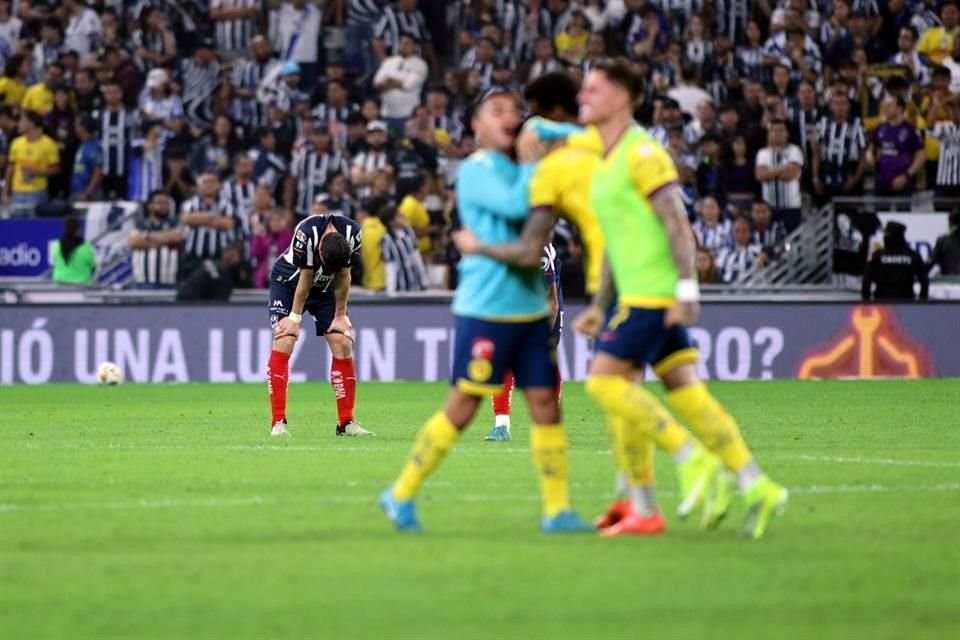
778,168
87,163
404,18
240,189
841,161
154,42
215,151
311,170
269,167
742,257
403,264
50,47
155,245
947,133
767,232
211,223
297,34
247,75
371,161
362,16
83,28
199,77
146,163
235,22
712,233
158,103
544,59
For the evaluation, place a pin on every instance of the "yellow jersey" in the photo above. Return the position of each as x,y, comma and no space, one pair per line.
26,157
562,182
372,232
417,217
12,90
38,98
937,43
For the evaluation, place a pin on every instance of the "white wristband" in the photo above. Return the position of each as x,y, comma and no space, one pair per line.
295,318
688,291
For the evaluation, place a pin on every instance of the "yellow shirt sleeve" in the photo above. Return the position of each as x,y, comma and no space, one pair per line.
545,184
930,40
651,167
16,149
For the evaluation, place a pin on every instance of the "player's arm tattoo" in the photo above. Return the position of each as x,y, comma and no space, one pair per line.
341,291
527,251
603,298
304,284
669,207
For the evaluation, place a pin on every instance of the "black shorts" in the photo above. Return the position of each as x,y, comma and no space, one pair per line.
321,305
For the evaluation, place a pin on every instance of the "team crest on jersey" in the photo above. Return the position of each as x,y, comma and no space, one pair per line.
480,368
299,240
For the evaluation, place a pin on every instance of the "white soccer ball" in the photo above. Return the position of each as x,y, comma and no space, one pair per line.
109,373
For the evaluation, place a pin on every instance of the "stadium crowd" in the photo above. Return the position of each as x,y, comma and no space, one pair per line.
231,119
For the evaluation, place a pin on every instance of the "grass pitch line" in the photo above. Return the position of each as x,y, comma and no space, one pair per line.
248,501
880,461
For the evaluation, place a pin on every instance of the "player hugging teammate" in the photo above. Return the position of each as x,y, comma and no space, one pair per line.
313,275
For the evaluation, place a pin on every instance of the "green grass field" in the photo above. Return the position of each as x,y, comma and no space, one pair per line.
168,512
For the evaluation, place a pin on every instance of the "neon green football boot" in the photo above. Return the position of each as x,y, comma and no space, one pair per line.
717,503
764,500
697,474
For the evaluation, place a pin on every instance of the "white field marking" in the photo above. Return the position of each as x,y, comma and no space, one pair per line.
493,449
256,501
880,461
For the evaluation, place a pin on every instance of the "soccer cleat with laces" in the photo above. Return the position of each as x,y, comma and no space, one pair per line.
498,434
697,474
280,429
635,524
616,512
764,500
353,430
565,522
402,513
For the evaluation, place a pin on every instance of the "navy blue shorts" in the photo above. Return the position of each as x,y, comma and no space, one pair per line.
486,350
638,336
320,306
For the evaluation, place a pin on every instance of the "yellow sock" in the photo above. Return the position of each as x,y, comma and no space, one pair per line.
633,451
548,444
432,444
716,428
621,398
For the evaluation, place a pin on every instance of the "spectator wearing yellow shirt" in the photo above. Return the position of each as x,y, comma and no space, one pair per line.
372,232
937,42
33,158
12,84
39,97
416,215
571,43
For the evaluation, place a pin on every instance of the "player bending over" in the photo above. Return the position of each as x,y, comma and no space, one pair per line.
651,252
314,275
501,325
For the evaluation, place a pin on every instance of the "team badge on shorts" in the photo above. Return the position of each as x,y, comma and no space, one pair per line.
480,368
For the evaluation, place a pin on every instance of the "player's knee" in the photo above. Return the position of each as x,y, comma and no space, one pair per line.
680,376
461,408
544,408
340,346
595,387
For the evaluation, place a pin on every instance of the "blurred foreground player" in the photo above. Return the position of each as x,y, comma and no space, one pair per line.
550,264
651,254
314,275
501,325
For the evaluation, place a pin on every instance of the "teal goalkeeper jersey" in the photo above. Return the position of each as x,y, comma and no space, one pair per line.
492,201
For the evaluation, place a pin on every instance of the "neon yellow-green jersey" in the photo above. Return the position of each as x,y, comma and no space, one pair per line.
637,242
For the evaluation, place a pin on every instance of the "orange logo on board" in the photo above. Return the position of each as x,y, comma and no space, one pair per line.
874,346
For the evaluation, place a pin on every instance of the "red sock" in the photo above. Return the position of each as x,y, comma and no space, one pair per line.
277,377
501,401
343,377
